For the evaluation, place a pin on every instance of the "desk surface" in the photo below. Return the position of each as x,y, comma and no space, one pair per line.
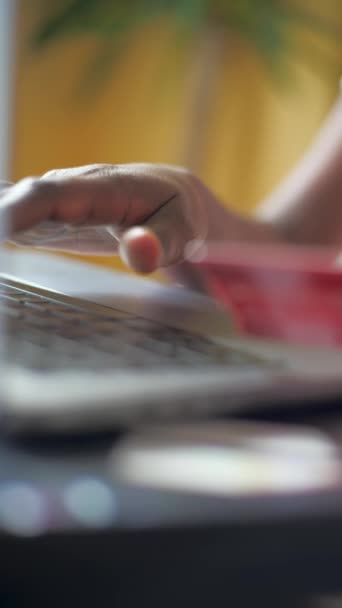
142,555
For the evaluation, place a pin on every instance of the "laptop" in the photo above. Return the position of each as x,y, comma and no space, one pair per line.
85,348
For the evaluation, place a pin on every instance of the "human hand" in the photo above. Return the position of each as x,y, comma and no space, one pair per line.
146,213
151,215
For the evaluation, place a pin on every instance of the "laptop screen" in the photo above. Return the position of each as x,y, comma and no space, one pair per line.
7,54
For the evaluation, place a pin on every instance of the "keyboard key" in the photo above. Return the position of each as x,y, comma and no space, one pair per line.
44,334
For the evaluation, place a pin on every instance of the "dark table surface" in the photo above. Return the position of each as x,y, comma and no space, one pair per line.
185,564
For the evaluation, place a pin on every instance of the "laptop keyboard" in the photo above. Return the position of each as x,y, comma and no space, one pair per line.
47,334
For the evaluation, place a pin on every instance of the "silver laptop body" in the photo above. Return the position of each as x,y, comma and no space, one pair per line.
85,348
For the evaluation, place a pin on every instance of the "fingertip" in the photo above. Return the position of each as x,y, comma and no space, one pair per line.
141,250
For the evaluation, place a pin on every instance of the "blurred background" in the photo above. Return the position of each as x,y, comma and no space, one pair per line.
234,89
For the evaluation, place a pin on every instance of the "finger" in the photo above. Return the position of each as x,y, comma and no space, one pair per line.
161,241
141,250
90,241
90,247
117,199
33,201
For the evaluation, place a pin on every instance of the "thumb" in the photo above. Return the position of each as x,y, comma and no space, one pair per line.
141,250
161,241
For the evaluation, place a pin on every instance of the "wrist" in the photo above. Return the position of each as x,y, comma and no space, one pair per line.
226,225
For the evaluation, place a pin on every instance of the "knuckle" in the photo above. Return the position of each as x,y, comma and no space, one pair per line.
27,185
100,168
34,186
192,179
28,181
185,171
93,170
184,179
52,173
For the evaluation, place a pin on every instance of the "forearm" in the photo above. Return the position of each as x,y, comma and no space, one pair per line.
307,208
